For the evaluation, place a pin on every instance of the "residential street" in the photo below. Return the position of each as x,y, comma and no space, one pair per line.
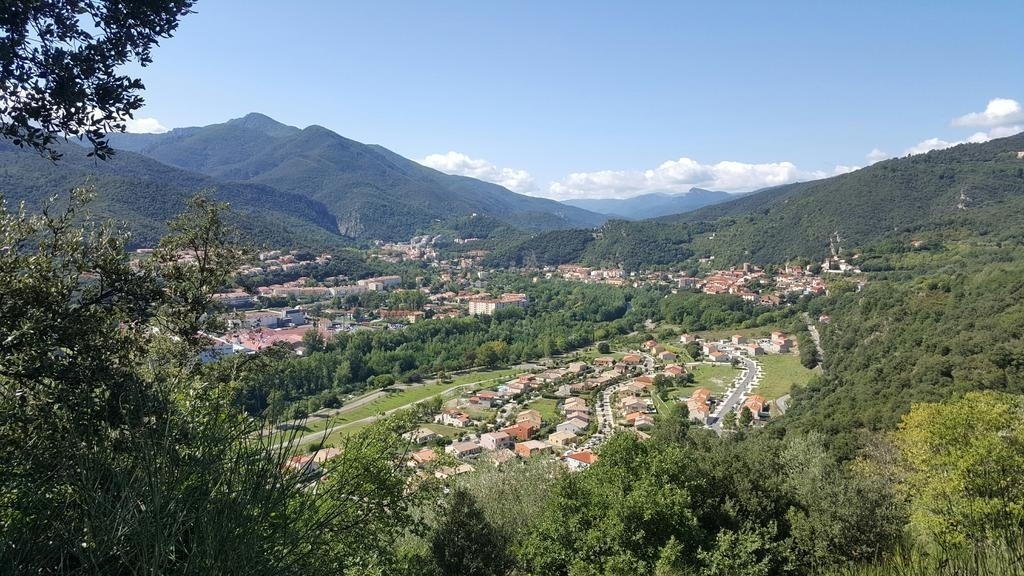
737,392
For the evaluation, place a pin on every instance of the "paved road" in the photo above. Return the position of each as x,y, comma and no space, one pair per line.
322,414
782,404
814,336
328,413
736,392
318,436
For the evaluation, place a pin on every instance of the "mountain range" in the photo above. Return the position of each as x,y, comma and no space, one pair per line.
371,192
973,188
312,187
970,189
652,205
287,186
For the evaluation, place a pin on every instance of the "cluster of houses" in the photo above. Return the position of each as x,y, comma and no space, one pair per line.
747,282
519,439
637,411
488,306
721,352
613,276
418,248
518,434
701,405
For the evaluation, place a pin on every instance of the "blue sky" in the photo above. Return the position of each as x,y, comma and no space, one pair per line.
606,99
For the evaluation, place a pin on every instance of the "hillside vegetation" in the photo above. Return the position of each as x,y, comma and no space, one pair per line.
974,188
144,194
371,192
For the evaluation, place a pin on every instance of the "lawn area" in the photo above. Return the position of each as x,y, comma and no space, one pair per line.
486,378
416,393
582,355
781,372
548,408
338,436
662,406
446,431
716,378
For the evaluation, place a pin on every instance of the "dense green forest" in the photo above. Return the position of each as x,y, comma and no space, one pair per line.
144,194
943,321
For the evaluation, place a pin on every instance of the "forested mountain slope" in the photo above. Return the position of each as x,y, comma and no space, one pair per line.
144,194
976,186
888,199
372,192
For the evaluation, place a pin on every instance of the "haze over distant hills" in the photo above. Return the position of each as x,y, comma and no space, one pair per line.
652,205
371,192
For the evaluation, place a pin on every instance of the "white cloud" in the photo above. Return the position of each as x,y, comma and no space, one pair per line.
999,112
462,165
876,155
144,126
976,138
678,176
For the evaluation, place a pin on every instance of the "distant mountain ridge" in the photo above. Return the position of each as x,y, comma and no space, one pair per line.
144,194
970,189
654,204
971,185
372,192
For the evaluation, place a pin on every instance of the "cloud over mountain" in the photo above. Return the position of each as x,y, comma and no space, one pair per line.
681,175
674,176
999,112
144,126
462,165
1003,116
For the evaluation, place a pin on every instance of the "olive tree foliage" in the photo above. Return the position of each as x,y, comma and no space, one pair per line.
123,453
61,66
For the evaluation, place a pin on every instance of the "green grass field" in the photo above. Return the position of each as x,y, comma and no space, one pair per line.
781,372
548,408
446,431
482,378
662,406
715,378
485,378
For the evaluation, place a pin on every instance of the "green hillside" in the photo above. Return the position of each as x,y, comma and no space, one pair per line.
144,194
915,197
372,192
886,200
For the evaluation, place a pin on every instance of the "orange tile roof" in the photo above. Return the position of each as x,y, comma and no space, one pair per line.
584,457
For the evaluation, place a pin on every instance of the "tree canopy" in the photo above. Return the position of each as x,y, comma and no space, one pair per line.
60,66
